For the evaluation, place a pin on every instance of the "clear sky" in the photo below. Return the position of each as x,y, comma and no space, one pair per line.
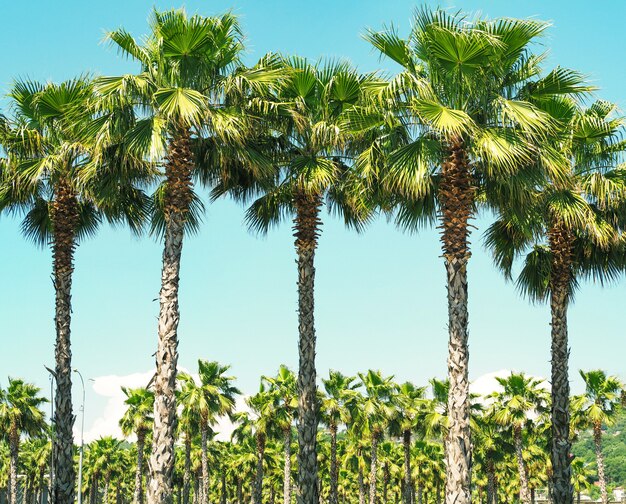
380,298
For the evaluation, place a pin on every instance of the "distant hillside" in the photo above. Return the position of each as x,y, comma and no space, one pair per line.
613,448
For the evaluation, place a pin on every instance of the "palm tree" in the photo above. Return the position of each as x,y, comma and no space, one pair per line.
104,458
20,413
137,419
569,230
410,409
464,120
581,476
213,397
186,91
335,410
312,162
598,406
284,387
258,426
67,170
377,410
513,407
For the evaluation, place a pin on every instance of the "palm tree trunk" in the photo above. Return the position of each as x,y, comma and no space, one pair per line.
597,439
373,468
560,240
107,484
257,494
491,482
64,217
524,494
187,471
386,477
178,194
239,491
456,196
205,462
406,443
141,439
14,448
306,227
361,486
334,473
287,468
223,495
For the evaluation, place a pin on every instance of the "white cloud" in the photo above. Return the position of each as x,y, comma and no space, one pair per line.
109,390
107,420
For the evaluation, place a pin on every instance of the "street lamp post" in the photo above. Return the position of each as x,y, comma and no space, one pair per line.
82,430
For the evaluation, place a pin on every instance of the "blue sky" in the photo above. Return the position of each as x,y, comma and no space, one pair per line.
380,296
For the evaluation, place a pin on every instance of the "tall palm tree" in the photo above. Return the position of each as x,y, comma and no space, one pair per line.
137,419
213,397
285,390
312,169
569,229
20,413
520,398
67,170
598,406
186,96
335,411
377,410
463,118
410,409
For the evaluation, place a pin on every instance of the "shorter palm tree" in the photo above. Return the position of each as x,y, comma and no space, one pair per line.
335,410
285,390
20,414
598,405
522,398
138,420
213,397
581,476
376,411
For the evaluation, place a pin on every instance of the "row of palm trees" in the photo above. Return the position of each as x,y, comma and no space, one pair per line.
382,441
471,122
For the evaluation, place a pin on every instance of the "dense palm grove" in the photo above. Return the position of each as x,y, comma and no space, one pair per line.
380,441
471,123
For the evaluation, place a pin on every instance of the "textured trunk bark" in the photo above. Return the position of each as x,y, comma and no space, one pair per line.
287,468
239,491
257,494
178,194
532,496
373,469
306,231
64,217
524,494
205,462
491,482
597,439
141,441
420,493
107,484
456,196
334,474
14,449
223,495
406,443
361,486
561,244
